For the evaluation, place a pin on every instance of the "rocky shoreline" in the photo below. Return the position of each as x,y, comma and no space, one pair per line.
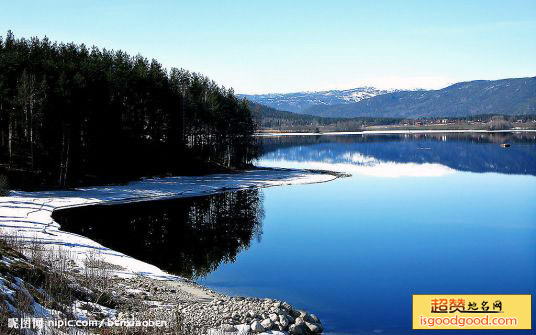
37,288
242,314
206,310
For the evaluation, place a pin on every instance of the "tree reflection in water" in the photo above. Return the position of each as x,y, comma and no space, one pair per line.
190,237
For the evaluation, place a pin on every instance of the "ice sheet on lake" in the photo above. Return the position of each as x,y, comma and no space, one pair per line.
27,215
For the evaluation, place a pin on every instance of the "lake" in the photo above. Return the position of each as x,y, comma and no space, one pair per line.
428,213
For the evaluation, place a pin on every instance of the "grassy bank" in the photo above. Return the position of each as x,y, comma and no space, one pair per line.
46,284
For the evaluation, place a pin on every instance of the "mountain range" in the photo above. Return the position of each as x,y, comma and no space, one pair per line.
299,102
515,96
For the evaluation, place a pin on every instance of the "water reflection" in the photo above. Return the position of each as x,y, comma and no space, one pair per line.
353,250
189,237
407,154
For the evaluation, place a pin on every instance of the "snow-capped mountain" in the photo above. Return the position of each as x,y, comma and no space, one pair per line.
300,101
512,96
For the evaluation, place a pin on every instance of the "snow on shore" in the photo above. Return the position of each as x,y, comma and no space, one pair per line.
28,215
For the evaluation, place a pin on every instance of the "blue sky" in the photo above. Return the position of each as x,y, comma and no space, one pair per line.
285,46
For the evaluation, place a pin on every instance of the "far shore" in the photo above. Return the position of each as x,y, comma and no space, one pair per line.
391,131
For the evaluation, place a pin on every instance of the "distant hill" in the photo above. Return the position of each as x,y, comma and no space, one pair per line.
271,118
299,102
260,110
506,96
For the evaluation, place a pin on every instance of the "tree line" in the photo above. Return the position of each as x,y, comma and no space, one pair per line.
270,119
72,115
190,237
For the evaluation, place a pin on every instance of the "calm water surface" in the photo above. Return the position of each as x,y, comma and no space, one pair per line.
420,214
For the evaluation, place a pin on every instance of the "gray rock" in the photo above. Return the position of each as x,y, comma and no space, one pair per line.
314,318
267,324
282,310
311,318
274,317
313,327
283,320
296,329
228,328
277,326
286,306
299,321
257,327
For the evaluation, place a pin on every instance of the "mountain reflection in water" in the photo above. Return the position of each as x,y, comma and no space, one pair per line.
189,237
401,154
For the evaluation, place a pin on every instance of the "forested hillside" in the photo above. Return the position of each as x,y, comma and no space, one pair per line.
271,118
268,118
479,97
71,115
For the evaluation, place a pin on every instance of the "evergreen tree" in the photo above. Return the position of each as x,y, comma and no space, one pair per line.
71,115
